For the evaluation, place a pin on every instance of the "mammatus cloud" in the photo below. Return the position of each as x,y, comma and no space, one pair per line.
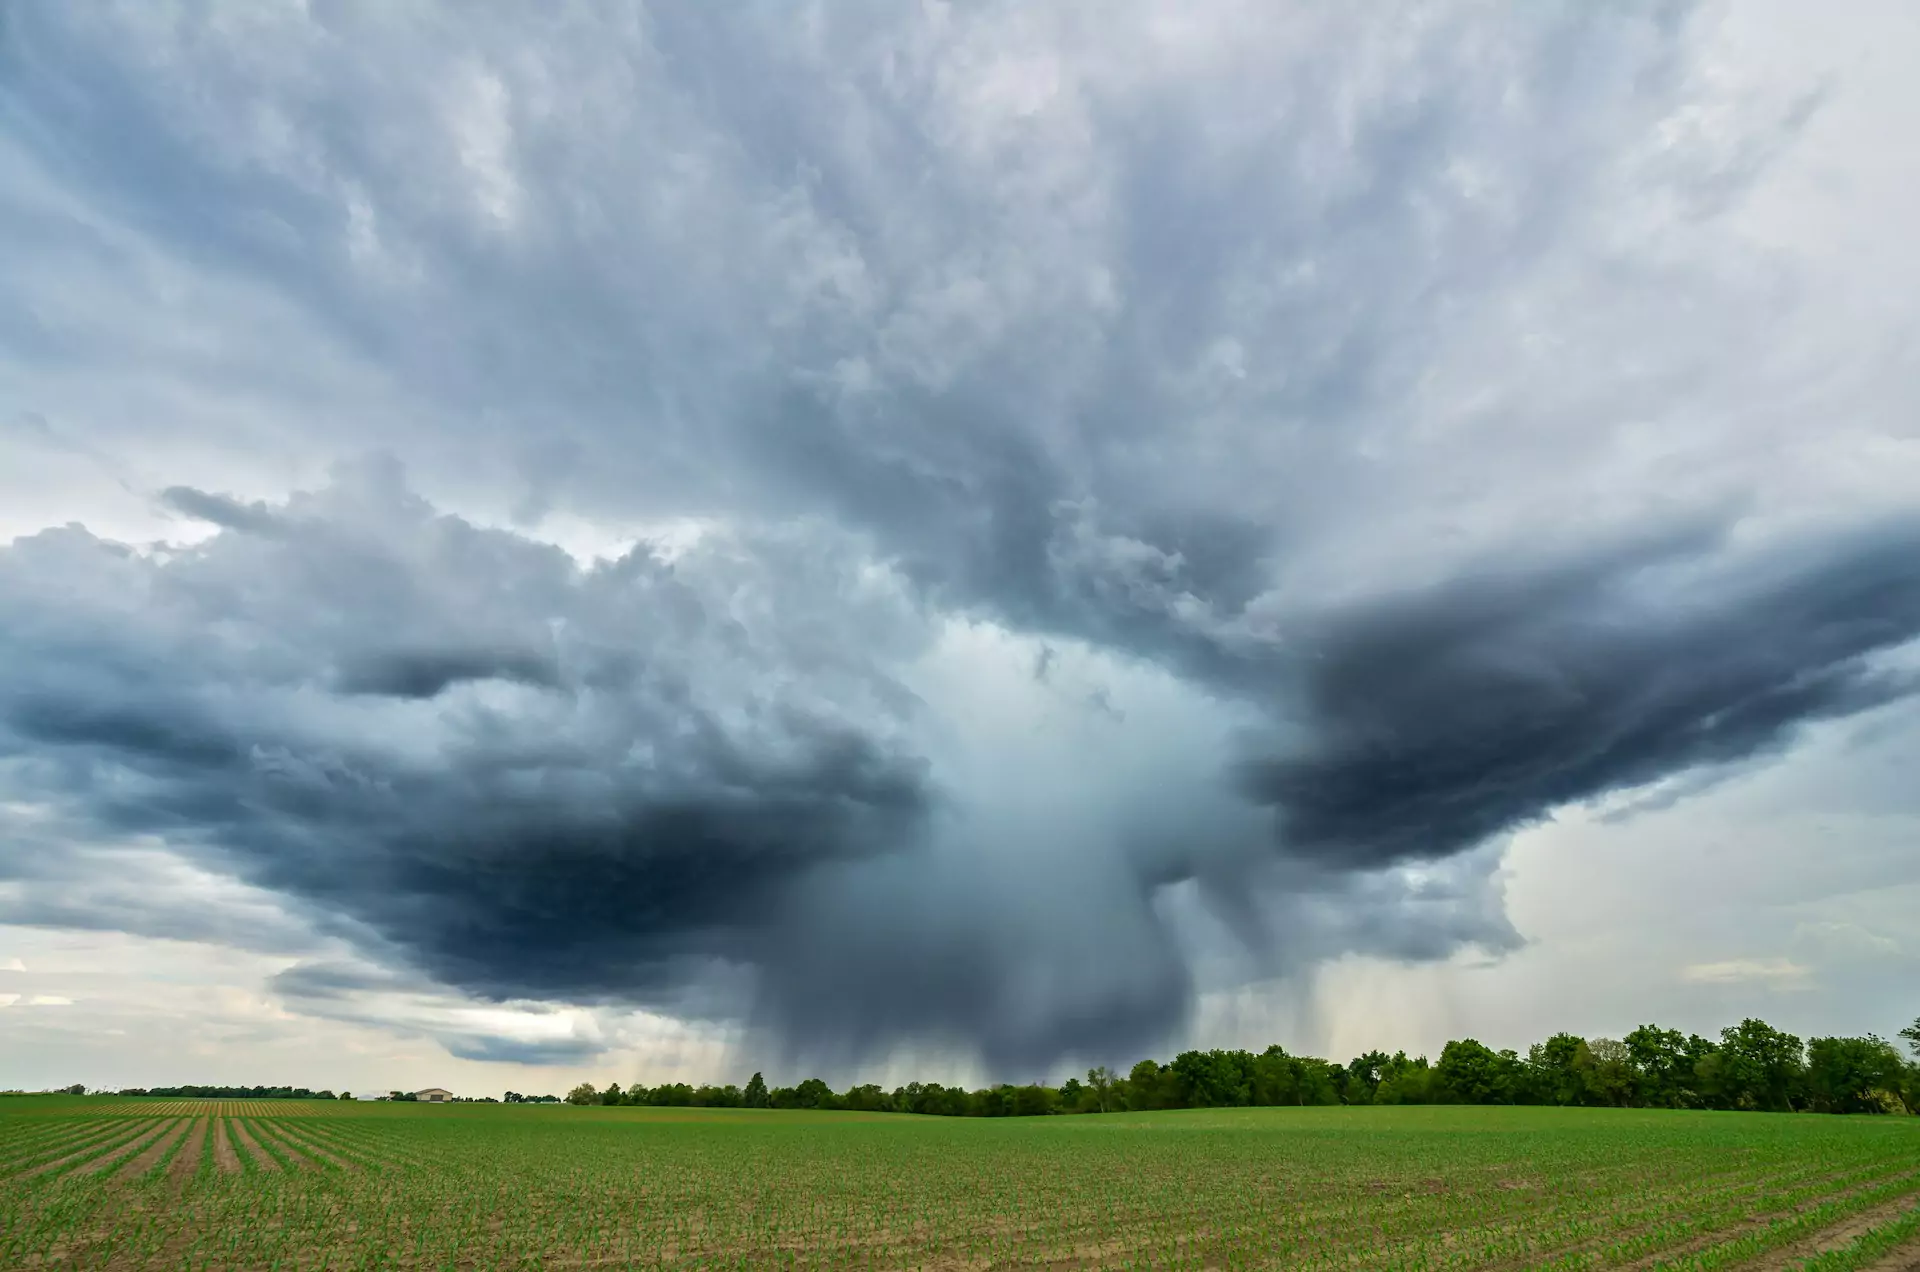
1153,500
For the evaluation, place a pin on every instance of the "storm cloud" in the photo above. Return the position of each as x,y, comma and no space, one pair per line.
936,527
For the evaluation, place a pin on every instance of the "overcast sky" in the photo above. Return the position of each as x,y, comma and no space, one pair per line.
969,541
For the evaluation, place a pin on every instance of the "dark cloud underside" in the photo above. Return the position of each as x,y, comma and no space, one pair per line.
1066,485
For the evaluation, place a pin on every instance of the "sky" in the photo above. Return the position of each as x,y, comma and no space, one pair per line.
647,542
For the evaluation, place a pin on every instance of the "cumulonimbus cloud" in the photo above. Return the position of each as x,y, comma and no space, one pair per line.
1250,465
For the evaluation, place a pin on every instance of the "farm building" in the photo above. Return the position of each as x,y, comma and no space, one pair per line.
433,1095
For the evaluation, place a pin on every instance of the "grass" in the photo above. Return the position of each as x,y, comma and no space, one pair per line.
488,1186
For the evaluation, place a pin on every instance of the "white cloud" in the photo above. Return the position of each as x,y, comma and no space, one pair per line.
1779,973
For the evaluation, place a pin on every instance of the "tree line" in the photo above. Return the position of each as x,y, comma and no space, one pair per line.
223,1092
1751,1066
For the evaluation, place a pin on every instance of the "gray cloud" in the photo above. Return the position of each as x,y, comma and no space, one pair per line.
663,793
1264,383
1440,719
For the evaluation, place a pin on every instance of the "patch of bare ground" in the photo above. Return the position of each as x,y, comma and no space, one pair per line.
1831,1238
312,1151
135,1145
1905,1259
261,1157
77,1142
150,1157
267,1134
64,1162
224,1155
187,1161
1734,1231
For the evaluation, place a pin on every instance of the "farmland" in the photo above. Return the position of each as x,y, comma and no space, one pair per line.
123,1183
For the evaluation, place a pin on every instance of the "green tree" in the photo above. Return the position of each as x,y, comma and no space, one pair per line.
583,1094
1556,1071
612,1094
814,1094
1469,1072
1101,1080
1760,1067
1212,1079
867,1099
1034,1100
1145,1089
756,1093
1912,1034
1853,1075
1608,1072
1404,1081
1364,1075
1663,1063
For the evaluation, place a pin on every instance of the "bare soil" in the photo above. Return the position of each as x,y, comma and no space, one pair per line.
1840,1234
188,1160
64,1162
150,1157
261,1157
224,1155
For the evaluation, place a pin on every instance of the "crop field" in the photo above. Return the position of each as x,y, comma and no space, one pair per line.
284,1185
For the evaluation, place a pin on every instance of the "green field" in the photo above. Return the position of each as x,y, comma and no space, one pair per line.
109,1183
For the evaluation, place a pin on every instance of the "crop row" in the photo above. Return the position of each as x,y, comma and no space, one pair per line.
1490,1188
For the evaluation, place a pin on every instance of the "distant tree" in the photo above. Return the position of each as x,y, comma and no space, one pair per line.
583,1094
1556,1071
1664,1063
1912,1034
1151,1087
814,1094
1469,1072
1212,1079
1364,1074
1406,1081
611,1095
1034,1100
1607,1069
1760,1067
867,1099
756,1092
1100,1080
78,1088
1854,1075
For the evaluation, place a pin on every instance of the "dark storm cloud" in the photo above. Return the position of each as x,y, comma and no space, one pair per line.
221,510
1437,720
660,796
425,673
521,1051
1220,351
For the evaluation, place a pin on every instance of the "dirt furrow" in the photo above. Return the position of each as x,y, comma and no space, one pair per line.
1905,1259
94,1147
1843,1233
150,1158
315,1153
294,1149
224,1155
261,1157
187,1163
111,1156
